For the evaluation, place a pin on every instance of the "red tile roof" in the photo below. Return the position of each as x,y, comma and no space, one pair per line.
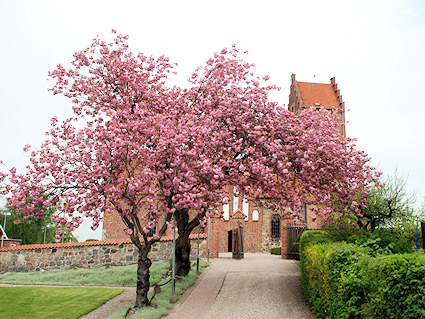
312,93
89,243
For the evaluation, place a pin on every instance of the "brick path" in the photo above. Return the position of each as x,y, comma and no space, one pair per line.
258,286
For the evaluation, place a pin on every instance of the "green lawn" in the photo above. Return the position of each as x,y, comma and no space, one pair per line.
52,302
120,276
72,302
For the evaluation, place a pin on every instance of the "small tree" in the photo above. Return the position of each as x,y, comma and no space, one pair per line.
388,204
148,151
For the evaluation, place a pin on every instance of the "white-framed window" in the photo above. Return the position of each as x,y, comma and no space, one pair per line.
226,209
245,208
255,215
235,201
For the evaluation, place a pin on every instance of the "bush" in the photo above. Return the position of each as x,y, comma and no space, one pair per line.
310,237
340,231
388,239
395,286
401,240
343,280
276,250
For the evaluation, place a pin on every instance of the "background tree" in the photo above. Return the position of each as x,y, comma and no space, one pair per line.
150,152
31,230
387,204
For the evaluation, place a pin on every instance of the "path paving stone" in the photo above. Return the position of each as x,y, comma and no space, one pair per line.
258,286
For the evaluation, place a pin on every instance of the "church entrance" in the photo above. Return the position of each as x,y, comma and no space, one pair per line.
229,241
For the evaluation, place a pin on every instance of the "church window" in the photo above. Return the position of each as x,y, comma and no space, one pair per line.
275,223
255,215
245,208
226,209
153,230
235,201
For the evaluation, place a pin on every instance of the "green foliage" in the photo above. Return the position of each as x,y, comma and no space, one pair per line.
31,230
52,302
276,251
340,230
394,240
310,237
343,280
398,287
388,206
389,239
91,239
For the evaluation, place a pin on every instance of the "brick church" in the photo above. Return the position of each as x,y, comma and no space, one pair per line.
262,228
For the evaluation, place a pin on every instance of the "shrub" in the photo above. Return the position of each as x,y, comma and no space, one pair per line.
276,251
343,280
327,269
395,285
389,239
310,237
400,240
340,231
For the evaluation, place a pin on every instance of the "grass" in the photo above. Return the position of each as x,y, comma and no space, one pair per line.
121,276
164,299
52,302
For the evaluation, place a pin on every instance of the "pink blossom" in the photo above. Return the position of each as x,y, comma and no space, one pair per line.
149,150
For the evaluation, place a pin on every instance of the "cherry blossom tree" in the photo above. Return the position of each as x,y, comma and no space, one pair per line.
153,152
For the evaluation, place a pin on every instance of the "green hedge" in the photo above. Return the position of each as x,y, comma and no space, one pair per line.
395,240
343,280
276,251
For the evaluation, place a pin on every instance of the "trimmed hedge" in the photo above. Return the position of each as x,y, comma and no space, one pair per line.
276,251
343,280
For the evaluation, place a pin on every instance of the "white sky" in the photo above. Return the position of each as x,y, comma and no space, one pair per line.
375,49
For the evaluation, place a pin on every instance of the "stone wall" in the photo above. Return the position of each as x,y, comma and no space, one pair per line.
87,255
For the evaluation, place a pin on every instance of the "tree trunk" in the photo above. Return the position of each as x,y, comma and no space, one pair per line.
185,227
183,243
142,288
183,253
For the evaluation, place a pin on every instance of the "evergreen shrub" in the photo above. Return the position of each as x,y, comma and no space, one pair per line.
345,280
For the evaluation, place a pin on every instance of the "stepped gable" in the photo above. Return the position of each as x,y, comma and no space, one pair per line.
319,95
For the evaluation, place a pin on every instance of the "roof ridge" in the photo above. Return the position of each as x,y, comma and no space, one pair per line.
88,243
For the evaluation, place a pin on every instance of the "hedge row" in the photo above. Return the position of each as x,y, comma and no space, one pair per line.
343,280
276,251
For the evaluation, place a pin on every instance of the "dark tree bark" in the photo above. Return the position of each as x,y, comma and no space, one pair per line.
143,263
183,254
142,287
185,227
182,249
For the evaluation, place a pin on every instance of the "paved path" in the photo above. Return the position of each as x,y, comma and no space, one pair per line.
258,286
